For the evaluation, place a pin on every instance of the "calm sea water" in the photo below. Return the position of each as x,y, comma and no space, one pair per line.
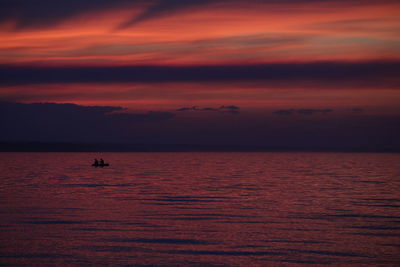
199,209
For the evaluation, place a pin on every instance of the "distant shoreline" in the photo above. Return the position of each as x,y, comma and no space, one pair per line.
107,147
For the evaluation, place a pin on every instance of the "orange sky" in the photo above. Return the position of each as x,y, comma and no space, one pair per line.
210,34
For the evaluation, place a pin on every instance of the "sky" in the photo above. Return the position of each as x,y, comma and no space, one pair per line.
291,73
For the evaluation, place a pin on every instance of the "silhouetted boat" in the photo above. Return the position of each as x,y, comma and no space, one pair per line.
101,165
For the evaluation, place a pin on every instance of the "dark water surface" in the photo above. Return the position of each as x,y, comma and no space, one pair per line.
200,209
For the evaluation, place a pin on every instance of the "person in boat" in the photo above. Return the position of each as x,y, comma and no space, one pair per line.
96,162
101,162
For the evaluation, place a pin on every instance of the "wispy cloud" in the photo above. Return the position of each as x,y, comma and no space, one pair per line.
41,13
371,73
222,109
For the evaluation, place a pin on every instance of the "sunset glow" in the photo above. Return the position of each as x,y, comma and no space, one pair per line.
219,33
165,55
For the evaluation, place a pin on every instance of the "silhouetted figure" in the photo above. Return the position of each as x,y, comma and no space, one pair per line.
100,163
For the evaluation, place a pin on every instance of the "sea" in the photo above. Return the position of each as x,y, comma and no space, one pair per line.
200,209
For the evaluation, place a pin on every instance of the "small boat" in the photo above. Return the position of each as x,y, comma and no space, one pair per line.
101,165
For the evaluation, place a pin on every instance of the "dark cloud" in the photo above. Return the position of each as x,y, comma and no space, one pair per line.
222,109
195,108
305,111
352,73
209,109
82,124
164,8
284,112
309,111
39,13
70,122
42,13
229,107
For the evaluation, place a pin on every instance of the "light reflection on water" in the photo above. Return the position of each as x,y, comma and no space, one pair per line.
214,209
